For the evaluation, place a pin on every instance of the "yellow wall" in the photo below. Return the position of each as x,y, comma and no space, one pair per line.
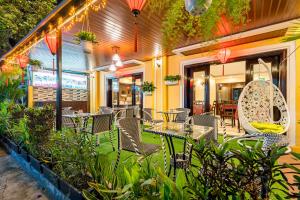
297,147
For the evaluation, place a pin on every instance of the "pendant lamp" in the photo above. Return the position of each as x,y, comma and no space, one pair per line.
23,61
51,42
136,7
223,55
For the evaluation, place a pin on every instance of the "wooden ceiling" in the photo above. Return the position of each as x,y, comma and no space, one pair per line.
114,26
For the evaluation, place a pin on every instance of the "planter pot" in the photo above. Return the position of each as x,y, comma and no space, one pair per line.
194,8
171,82
69,190
36,164
50,175
147,93
87,46
25,155
12,145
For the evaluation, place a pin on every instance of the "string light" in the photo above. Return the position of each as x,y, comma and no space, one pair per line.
74,15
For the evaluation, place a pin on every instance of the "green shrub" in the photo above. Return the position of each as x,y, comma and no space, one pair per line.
172,78
148,87
72,154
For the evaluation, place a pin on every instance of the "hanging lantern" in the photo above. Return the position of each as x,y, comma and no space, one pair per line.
136,7
23,62
51,42
223,56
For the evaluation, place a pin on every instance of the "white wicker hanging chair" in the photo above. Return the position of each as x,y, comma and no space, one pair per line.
256,104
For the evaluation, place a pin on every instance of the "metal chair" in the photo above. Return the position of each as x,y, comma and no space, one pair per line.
66,121
207,119
182,117
129,139
147,116
102,123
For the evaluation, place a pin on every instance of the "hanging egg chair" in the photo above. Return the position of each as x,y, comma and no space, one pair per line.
256,106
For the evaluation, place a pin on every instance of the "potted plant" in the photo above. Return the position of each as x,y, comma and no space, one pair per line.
172,80
35,64
86,39
148,88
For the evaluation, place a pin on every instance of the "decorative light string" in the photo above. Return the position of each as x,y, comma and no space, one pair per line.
75,15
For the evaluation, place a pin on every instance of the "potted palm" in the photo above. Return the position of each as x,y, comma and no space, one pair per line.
35,64
172,80
86,39
148,88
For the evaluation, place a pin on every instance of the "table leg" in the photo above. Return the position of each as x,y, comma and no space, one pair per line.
119,152
173,153
167,117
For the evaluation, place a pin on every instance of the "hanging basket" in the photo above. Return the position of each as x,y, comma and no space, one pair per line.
170,83
87,46
147,93
194,8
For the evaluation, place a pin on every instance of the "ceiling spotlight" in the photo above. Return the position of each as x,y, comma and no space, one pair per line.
112,67
119,63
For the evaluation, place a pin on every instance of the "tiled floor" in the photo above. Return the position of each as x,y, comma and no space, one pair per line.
15,184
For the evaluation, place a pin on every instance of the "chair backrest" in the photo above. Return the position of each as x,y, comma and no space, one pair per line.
207,120
66,121
147,115
129,112
101,123
130,134
182,117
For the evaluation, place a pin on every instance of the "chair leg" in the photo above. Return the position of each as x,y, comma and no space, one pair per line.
118,160
111,139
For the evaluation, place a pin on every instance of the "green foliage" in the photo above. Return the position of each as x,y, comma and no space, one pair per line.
17,18
226,173
139,182
72,155
11,92
172,78
39,122
4,117
36,63
85,36
148,87
179,25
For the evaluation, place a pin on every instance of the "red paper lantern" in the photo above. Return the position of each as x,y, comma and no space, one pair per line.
136,6
223,55
51,42
23,62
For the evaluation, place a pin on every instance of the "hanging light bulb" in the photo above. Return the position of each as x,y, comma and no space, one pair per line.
116,57
112,67
119,63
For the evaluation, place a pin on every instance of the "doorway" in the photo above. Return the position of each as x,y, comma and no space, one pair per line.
125,91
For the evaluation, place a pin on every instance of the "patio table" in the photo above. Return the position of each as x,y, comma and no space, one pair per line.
171,130
79,120
170,114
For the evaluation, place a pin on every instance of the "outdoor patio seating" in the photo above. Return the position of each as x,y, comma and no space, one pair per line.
129,139
182,117
101,124
207,119
147,116
66,121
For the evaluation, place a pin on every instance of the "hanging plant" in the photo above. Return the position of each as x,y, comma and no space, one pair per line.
172,80
148,88
179,25
86,39
35,64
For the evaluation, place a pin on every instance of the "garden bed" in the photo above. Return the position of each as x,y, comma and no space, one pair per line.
55,186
